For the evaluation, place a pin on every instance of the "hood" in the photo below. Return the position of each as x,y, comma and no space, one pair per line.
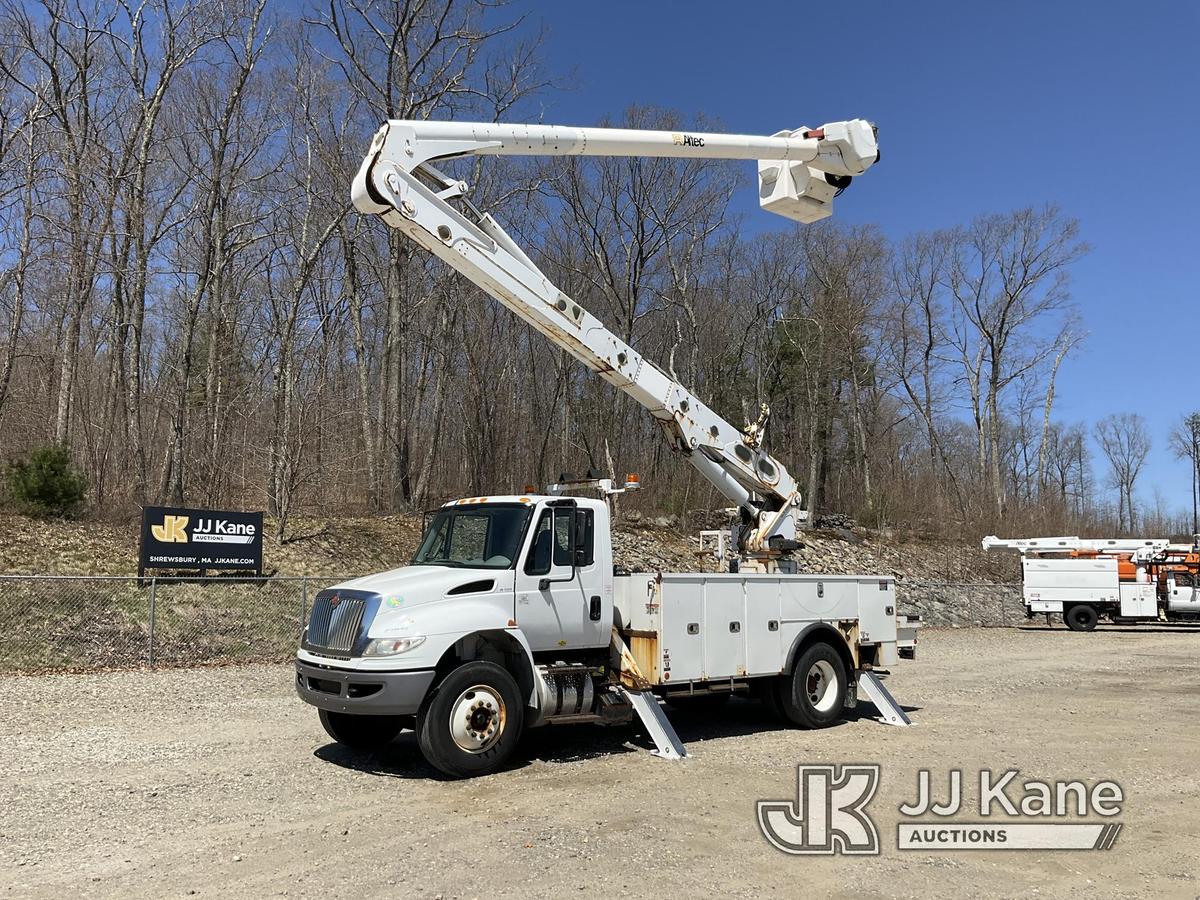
414,585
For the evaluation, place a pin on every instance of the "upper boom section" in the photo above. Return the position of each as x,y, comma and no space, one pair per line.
844,148
1065,546
800,171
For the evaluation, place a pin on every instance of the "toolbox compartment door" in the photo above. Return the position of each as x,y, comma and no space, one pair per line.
724,628
683,629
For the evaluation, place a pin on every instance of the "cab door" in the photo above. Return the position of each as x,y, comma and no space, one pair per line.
1181,592
554,606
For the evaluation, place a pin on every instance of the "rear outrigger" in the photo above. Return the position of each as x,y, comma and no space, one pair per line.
511,615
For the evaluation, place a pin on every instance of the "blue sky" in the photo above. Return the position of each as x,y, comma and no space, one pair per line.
982,107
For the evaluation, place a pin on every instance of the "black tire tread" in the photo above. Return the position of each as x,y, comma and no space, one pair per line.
433,737
797,708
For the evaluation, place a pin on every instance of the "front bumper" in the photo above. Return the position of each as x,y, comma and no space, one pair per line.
362,692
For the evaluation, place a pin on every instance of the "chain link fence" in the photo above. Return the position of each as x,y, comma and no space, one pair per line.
61,623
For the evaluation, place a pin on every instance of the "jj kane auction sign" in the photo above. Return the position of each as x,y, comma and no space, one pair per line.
175,538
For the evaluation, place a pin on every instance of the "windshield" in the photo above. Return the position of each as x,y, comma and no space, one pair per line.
474,537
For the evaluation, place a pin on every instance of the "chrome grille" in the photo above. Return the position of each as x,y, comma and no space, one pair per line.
335,622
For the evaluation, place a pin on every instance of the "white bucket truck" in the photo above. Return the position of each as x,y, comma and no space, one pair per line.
510,615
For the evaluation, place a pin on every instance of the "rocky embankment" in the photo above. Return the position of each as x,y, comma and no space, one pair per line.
947,584
664,543
938,580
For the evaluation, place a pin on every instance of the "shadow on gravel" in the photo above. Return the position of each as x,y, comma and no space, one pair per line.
399,759
555,744
1182,628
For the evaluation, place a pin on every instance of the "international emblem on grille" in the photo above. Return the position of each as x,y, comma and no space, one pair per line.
335,622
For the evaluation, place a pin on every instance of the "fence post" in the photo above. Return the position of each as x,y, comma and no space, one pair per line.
303,601
150,652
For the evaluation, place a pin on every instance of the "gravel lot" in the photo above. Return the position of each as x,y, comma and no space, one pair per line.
219,782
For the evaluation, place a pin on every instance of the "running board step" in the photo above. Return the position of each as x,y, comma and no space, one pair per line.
646,705
883,700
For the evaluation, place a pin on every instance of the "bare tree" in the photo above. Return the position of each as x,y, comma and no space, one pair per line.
152,45
1125,442
413,59
1069,337
68,62
1009,275
1185,444
915,345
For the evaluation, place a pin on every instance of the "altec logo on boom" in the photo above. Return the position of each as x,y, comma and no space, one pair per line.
686,140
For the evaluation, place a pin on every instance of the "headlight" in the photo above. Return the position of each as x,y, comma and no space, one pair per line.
393,646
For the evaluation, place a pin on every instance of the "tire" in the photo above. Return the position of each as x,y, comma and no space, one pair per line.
814,696
1081,617
361,732
471,723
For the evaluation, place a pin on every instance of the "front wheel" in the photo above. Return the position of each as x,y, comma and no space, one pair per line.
1081,617
471,722
815,694
361,732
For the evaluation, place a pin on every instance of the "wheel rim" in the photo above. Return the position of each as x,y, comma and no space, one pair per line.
820,686
477,719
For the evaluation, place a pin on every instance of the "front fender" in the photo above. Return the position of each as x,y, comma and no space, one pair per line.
462,620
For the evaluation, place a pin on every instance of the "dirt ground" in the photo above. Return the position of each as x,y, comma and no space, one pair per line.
219,783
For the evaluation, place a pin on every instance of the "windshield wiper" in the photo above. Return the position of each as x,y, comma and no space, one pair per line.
439,562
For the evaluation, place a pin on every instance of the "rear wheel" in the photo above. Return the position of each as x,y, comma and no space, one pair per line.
1081,617
815,694
361,732
471,722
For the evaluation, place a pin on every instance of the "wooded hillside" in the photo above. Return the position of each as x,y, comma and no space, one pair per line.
190,305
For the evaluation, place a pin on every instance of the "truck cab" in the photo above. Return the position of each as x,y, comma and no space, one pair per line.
495,580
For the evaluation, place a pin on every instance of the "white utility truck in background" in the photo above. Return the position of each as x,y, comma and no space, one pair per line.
510,614
1127,580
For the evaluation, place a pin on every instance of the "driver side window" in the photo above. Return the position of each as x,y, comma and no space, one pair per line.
542,547
552,540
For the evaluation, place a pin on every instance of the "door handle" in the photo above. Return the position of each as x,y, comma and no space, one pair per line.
594,609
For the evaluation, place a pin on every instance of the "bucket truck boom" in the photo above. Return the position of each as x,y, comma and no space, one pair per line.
800,172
